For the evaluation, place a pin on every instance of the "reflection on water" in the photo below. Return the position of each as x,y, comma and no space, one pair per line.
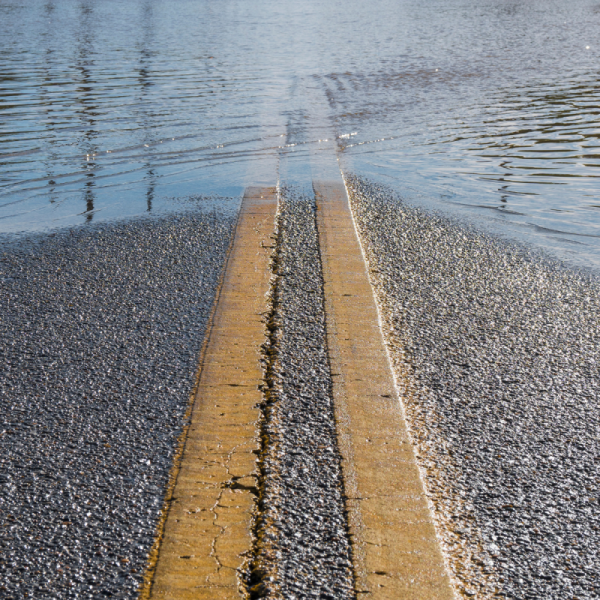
489,108
538,135
530,154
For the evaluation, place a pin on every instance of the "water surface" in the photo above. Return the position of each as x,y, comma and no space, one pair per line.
489,109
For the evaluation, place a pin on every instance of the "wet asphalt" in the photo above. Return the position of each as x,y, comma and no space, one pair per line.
100,332
303,548
497,351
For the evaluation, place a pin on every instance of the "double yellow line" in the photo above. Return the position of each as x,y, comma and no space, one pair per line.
205,539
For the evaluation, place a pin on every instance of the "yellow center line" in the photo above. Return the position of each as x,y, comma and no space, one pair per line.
207,532
396,553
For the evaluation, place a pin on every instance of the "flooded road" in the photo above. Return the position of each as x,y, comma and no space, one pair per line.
128,132
487,109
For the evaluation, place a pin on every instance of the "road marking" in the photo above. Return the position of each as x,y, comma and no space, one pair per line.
207,532
396,553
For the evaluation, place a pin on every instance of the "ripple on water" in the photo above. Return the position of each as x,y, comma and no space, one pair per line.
106,108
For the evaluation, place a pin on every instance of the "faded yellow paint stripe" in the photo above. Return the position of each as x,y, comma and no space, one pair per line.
207,534
395,550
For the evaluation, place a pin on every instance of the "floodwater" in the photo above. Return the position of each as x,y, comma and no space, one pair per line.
484,108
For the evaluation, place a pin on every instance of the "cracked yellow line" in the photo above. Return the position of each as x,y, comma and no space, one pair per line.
396,553
207,533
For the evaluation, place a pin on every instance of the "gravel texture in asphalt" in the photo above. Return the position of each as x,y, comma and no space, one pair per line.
100,332
303,548
497,354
